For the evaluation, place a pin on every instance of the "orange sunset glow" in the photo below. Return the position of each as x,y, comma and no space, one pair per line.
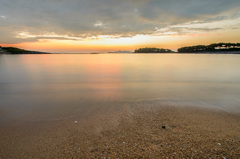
86,27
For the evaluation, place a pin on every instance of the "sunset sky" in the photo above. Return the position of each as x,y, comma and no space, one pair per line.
76,26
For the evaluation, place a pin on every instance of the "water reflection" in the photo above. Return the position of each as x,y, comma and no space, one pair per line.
56,86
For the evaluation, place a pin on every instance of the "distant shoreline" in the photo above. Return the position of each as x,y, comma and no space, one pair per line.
215,48
40,53
155,53
200,53
195,53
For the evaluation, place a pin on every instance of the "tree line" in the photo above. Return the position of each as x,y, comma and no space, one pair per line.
153,50
14,50
216,47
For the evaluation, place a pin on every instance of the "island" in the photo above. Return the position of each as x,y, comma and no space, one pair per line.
14,50
153,50
212,48
120,51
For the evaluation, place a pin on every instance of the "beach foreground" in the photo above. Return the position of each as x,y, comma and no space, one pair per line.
135,131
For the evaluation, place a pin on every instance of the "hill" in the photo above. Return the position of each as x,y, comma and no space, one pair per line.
212,48
153,50
14,50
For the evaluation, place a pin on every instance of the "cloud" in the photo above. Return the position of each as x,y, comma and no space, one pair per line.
2,17
79,19
98,24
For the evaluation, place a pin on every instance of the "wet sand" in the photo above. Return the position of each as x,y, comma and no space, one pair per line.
135,131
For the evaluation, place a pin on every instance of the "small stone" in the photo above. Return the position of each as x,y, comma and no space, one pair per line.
219,144
75,122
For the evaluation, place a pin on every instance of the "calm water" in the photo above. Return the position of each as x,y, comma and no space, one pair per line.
52,87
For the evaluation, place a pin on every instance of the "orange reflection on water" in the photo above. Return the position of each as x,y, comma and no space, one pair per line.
101,74
107,75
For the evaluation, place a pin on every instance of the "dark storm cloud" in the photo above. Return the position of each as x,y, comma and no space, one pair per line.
86,18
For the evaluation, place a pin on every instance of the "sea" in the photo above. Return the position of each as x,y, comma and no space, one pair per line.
46,87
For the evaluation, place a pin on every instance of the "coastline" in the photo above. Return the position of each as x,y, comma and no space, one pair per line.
200,53
135,131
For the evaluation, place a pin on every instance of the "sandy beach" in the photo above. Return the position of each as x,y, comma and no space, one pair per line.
136,131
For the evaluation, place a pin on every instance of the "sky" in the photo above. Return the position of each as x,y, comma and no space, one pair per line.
80,26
